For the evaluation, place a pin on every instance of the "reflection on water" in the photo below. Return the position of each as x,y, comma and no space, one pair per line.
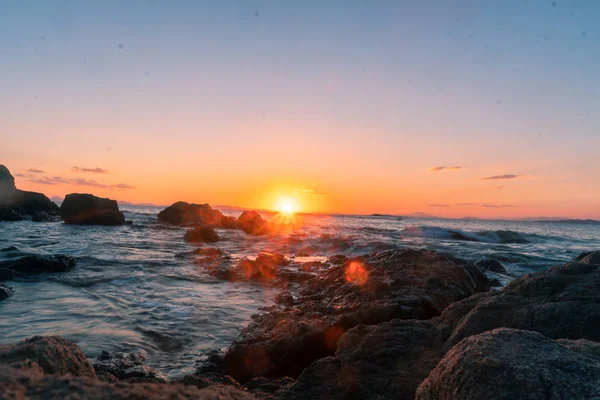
130,292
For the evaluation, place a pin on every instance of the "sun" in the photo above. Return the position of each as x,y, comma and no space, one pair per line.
286,205
287,208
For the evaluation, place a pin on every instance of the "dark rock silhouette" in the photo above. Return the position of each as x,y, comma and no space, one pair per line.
513,364
252,223
182,213
87,209
5,291
17,205
491,265
395,284
28,265
202,234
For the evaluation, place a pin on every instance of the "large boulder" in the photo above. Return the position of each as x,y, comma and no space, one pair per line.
403,284
513,364
16,205
252,223
182,213
87,209
202,234
28,265
391,359
53,354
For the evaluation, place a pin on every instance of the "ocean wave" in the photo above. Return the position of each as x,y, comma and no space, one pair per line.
499,236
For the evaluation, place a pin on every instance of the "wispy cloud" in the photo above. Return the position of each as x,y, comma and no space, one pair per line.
35,171
57,180
474,204
19,175
499,177
309,191
96,170
444,168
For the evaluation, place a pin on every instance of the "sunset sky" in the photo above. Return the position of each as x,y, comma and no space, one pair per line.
485,108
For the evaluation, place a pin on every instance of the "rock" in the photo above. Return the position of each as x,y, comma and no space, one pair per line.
559,303
202,381
53,354
491,265
8,214
267,388
87,209
54,368
284,299
5,291
265,268
186,213
27,265
495,283
395,284
252,223
382,361
10,248
511,364
7,183
202,234
127,366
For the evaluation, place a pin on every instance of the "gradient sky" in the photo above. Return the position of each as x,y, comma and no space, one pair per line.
344,106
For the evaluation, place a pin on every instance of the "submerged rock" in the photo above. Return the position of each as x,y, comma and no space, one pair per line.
186,213
202,234
265,268
511,364
5,291
87,209
27,265
127,366
491,265
396,284
16,205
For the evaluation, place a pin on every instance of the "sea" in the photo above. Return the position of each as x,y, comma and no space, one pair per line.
133,290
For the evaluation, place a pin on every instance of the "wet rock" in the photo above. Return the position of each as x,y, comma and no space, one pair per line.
127,366
495,283
53,354
284,299
87,209
5,291
10,248
265,268
337,259
559,303
396,284
267,388
27,265
491,265
382,361
8,214
202,234
202,381
186,213
511,364
252,223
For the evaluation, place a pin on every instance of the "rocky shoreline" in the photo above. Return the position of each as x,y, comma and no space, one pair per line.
400,324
